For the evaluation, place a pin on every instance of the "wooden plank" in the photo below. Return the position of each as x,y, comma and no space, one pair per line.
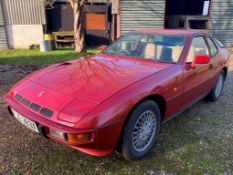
63,37
65,33
66,41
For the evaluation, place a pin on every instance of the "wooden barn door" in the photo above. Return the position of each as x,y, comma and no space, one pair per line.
97,24
95,21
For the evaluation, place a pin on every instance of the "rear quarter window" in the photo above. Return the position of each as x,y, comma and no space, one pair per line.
198,47
213,48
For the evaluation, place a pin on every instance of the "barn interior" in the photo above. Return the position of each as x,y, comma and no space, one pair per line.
96,17
187,14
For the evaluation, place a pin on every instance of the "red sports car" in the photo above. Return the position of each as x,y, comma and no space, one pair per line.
117,100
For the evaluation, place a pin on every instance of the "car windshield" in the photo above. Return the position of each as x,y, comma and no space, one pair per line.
157,47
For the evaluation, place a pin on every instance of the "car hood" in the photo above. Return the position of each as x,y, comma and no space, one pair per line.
95,78
72,89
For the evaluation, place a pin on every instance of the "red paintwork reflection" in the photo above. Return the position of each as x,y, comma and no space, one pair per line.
95,78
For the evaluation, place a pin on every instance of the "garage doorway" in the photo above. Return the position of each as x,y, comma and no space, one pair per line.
97,22
187,14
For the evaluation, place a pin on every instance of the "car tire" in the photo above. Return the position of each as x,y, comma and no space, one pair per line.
141,130
216,92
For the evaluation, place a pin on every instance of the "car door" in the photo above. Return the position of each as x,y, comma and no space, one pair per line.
195,79
216,61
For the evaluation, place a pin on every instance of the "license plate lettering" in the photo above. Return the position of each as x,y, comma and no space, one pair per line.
26,122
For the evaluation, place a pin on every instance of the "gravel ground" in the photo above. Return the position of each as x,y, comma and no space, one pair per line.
199,141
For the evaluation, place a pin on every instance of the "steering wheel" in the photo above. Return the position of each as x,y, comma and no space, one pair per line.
125,52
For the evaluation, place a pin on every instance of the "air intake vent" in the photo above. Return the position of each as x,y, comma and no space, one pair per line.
35,107
26,102
18,97
46,112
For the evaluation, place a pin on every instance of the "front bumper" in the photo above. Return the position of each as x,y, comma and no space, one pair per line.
105,138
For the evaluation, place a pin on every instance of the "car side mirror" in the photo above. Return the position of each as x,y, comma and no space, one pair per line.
102,47
200,59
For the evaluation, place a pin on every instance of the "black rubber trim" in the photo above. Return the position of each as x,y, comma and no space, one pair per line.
42,131
9,110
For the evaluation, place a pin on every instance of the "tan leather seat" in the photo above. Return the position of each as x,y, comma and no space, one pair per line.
176,52
153,51
191,55
150,51
158,51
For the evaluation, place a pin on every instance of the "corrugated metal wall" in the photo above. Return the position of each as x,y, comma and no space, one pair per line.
221,20
3,39
24,12
138,14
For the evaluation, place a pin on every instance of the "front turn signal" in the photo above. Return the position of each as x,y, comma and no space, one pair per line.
79,138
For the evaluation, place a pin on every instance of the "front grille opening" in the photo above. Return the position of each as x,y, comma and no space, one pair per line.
35,107
46,112
18,97
26,102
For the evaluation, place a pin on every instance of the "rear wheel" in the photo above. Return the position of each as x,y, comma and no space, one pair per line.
141,130
216,92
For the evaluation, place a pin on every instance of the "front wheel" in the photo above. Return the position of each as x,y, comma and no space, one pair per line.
216,92
141,130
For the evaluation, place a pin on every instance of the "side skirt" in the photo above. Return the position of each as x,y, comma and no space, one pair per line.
185,108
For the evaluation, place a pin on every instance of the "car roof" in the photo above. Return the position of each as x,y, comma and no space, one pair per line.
168,31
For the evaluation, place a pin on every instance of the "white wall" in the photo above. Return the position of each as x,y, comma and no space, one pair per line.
23,36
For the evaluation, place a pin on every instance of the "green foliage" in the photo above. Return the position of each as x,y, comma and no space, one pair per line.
35,57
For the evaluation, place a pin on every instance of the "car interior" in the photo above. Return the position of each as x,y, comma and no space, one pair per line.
157,47
198,47
163,53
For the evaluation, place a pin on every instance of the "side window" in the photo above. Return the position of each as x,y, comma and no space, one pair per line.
213,48
198,47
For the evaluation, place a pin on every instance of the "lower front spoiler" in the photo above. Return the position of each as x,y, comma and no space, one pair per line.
104,141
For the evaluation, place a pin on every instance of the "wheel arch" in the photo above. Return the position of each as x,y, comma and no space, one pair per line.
225,70
158,99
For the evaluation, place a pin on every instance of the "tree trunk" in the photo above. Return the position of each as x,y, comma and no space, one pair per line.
78,28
